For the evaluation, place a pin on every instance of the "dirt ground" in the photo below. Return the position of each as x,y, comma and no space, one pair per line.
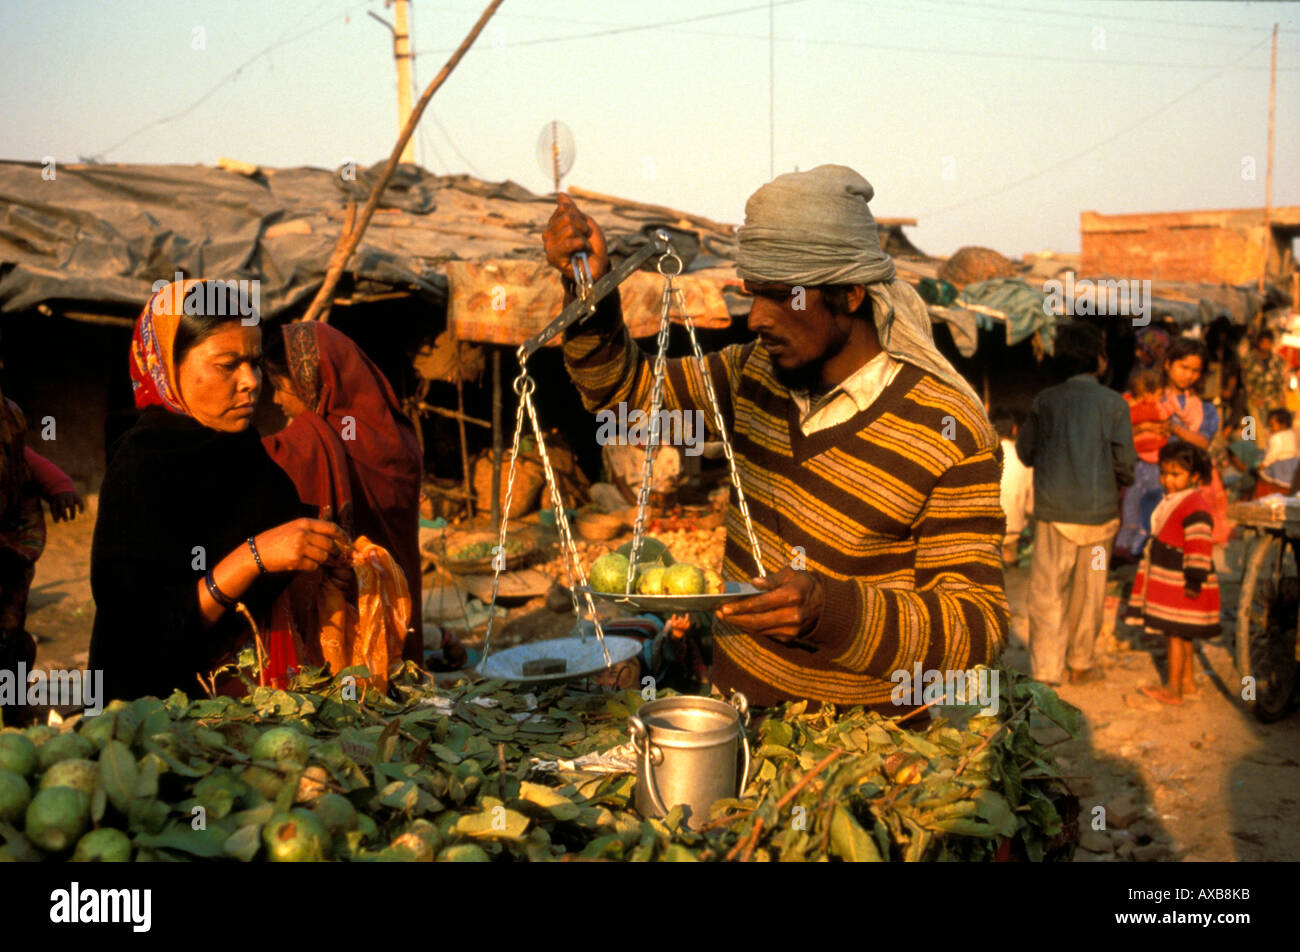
1202,782
1205,781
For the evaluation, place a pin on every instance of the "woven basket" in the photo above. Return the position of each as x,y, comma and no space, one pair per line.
599,526
529,478
972,264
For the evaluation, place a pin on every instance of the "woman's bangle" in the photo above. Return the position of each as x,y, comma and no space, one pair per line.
261,569
218,596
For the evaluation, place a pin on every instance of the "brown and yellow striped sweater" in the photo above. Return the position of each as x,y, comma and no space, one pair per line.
898,509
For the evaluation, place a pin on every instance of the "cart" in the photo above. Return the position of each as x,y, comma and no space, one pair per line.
1268,611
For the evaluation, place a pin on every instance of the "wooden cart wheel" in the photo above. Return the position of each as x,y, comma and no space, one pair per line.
1266,626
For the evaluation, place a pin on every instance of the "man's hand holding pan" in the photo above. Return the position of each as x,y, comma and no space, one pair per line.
787,608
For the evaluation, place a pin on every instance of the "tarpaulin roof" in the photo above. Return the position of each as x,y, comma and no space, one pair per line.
95,238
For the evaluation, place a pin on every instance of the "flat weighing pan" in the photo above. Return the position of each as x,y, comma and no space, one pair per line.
682,603
581,658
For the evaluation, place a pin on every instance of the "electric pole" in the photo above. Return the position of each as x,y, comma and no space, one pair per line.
402,53
1268,177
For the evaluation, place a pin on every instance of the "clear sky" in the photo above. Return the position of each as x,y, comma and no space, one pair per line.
993,123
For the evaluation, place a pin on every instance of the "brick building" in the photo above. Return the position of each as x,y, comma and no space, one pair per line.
1223,246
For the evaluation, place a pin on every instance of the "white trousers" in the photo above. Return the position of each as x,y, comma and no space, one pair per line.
1067,596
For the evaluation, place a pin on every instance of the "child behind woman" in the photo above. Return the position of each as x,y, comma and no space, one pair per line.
1278,466
1176,590
1147,415
1017,485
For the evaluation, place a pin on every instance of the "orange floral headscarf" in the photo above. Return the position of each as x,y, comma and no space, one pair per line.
153,377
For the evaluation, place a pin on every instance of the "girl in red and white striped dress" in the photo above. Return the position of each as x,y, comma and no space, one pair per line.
1176,590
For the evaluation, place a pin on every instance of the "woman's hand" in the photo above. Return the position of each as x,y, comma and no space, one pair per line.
300,546
1191,436
790,606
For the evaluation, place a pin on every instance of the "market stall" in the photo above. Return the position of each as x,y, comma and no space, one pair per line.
487,771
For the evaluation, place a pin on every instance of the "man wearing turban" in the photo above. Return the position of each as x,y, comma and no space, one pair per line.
869,466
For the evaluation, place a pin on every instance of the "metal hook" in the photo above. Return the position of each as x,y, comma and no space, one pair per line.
524,385
582,275
666,257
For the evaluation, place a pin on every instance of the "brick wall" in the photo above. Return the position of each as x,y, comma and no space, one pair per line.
1207,253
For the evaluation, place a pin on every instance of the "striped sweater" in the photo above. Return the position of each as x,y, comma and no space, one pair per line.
1176,590
897,509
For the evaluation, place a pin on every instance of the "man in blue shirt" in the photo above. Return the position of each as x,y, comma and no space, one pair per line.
1079,442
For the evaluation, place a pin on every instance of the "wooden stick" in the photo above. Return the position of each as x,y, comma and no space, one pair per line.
918,710
455,414
203,684
351,237
464,446
257,642
724,820
338,260
984,743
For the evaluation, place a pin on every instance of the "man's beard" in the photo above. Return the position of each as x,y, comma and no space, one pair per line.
807,377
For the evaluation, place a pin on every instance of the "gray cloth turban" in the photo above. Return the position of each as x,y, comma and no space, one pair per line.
811,228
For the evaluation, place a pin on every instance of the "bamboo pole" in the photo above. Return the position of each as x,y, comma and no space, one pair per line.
464,445
496,440
351,236
453,414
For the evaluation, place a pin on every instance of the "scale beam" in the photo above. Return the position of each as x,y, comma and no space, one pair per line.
580,309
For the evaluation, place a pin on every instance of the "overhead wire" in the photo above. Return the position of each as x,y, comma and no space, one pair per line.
1091,148
424,137
641,27
965,12
230,77
1105,61
1109,16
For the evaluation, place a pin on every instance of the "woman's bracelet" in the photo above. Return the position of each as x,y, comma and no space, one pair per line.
218,596
261,569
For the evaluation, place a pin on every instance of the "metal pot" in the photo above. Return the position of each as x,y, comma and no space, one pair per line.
687,753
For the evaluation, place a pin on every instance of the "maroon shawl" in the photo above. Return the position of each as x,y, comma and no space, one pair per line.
354,454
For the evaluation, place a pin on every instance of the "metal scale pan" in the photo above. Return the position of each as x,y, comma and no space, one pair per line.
582,657
681,603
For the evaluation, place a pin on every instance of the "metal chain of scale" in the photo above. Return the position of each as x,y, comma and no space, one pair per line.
671,292
720,425
524,386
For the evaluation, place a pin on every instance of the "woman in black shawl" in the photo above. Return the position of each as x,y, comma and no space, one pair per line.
194,517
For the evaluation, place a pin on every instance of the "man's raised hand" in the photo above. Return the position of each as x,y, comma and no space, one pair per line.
569,232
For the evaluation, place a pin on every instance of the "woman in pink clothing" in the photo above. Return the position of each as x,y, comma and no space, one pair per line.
1194,420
